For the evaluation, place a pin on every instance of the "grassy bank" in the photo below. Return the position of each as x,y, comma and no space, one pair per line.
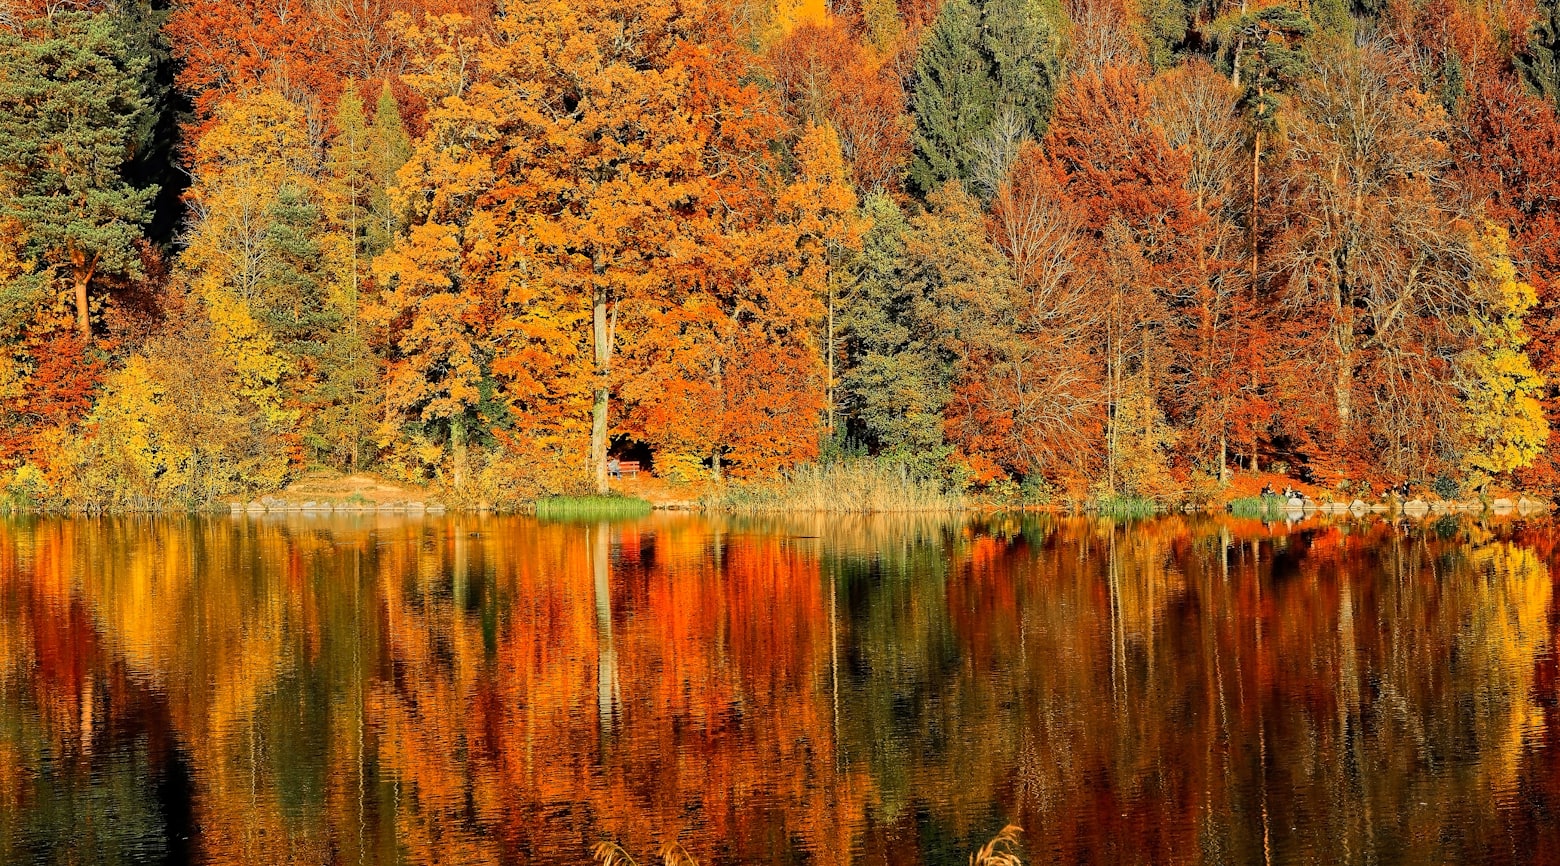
1125,506
1268,507
591,507
849,486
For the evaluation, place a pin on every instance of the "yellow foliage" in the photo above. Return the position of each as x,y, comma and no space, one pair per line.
10,377
1141,441
258,146
13,267
1505,428
680,468
171,426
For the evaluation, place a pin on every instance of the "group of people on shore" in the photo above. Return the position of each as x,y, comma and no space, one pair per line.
1289,494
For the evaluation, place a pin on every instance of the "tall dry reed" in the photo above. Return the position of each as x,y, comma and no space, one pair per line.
849,486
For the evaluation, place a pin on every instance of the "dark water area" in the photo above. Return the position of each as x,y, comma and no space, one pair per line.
392,689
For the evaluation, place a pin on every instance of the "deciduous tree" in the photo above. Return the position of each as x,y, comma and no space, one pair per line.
1505,428
1373,253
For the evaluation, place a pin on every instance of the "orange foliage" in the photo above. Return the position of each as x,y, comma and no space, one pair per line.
824,73
306,51
61,382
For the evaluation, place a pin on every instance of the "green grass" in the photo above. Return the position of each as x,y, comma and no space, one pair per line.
591,507
1125,506
1258,506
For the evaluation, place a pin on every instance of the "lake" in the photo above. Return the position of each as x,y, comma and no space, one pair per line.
374,688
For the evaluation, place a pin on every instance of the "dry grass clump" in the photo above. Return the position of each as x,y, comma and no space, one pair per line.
612,854
1002,850
850,486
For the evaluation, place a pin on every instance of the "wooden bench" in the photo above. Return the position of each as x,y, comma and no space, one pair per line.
628,469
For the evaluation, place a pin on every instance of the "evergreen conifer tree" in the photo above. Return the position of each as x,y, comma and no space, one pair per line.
155,160
390,147
895,379
952,96
353,189
1539,60
70,113
349,193
985,64
1017,41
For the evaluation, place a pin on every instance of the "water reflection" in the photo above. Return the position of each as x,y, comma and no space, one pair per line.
381,689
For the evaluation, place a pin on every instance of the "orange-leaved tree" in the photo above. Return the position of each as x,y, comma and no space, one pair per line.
730,369
1130,185
1375,258
822,74
597,185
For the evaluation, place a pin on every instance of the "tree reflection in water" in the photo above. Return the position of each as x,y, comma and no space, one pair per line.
380,689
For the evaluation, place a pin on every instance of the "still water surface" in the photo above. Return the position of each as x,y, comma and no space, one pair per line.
383,689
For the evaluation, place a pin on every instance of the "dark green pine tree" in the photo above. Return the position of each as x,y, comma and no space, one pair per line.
1017,41
292,296
155,161
1268,50
1274,58
952,97
985,65
71,110
1539,60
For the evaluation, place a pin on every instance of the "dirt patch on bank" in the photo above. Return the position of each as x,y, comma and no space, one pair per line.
333,490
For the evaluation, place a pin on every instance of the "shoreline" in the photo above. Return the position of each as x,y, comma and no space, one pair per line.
1521,506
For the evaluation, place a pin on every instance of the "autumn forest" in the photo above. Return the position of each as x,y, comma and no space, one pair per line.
1079,248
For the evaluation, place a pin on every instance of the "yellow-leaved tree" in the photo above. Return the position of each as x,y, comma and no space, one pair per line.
1505,428
255,157
171,427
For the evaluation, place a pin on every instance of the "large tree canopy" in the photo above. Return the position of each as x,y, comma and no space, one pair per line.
71,113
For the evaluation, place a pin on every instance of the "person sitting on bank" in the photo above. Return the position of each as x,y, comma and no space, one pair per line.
614,468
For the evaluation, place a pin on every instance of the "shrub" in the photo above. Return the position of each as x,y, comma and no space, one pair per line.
1445,487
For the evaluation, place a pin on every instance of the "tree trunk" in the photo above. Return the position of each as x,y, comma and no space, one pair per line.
81,275
1343,393
1343,384
1112,403
831,360
458,450
1256,181
598,415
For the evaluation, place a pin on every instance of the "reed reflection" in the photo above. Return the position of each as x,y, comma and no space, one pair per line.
379,689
